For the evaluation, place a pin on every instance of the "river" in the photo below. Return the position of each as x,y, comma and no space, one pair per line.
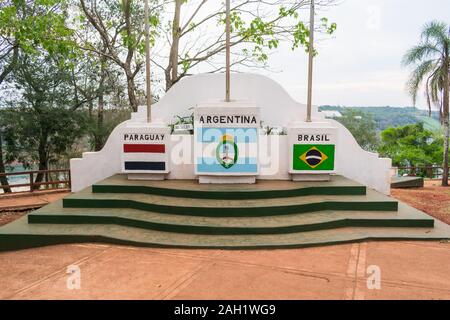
19,179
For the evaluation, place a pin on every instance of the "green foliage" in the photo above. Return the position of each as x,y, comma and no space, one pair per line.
111,118
183,120
41,25
114,30
56,81
363,128
41,125
266,33
123,24
386,117
32,136
431,124
411,145
430,60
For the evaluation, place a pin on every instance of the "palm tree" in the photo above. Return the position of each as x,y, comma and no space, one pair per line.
431,62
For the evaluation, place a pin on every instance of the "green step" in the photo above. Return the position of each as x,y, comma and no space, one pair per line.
372,201
407,182
222,216
263,189
20,234
55,213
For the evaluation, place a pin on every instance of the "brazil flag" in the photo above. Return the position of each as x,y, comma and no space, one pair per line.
310,157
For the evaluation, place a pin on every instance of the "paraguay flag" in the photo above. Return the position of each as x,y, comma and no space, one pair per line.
144,157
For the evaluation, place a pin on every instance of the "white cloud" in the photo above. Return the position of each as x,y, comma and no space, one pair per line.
361,65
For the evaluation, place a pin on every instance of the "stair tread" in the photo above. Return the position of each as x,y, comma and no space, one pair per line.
260,185
404,213
45,234
86,194
277,222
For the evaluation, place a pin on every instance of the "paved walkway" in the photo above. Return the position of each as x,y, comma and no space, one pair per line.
409,270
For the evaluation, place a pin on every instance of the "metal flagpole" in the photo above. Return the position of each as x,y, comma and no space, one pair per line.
310,63
147,64
227,45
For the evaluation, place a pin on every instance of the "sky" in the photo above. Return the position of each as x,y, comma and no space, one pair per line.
360,65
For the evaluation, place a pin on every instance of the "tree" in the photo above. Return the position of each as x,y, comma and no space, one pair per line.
431,62
96,84
95,78
120,29
363,128
257,28
111,117
411,145
29,26
44,123
194,35
3,179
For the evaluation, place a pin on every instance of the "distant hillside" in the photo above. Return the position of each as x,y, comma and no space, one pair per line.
394,116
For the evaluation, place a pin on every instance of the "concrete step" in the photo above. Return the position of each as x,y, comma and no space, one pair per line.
277,214
407,182
372,201
20,234
303,222
263,189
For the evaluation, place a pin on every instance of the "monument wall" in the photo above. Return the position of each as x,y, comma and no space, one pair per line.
277,109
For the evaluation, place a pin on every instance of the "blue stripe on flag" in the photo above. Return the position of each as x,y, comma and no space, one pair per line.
244,165
213,160
145,165
237,168
241,135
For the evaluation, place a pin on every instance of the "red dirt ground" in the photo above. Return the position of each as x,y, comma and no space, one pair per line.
9,216
14,206
408,270
432,199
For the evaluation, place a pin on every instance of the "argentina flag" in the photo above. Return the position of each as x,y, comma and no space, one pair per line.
227,150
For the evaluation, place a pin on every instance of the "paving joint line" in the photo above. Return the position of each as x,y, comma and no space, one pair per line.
53,274
186,280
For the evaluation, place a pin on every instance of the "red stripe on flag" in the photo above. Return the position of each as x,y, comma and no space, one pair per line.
151,148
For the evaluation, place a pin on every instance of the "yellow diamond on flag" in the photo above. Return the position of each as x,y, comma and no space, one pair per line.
313,157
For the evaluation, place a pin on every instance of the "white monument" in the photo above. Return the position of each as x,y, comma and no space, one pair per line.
312,150
145,155
276,109
226,138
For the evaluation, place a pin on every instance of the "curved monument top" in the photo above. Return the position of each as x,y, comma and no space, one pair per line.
277,108
276,105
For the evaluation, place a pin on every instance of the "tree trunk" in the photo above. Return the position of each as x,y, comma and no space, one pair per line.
90,107
99,134
446,145
12,65
168,76
42,161
101,105
3,179
131,88
446,129
172,69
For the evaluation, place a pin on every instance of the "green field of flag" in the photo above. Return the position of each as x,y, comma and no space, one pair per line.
313,157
